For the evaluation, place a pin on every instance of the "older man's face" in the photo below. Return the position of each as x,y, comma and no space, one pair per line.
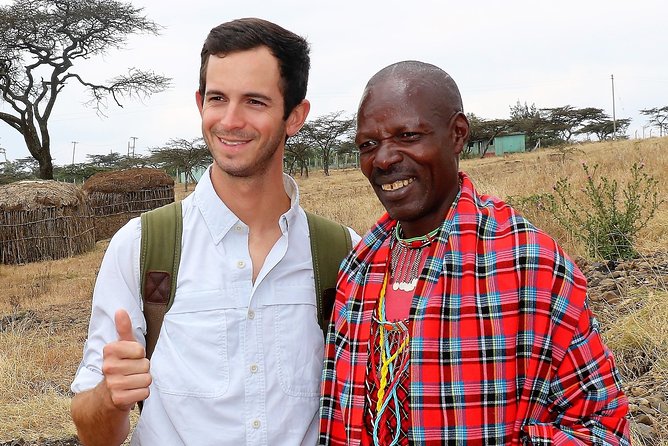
409,150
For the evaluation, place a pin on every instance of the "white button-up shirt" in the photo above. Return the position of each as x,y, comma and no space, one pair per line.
237,362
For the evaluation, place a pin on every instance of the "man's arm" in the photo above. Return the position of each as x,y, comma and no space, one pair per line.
589,404
98,421
584,404
101,414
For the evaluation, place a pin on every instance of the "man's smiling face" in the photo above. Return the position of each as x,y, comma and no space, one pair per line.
409,150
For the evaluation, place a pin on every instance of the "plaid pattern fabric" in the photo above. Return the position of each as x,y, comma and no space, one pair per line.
504,350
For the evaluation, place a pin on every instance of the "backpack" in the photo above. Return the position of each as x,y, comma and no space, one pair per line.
161,231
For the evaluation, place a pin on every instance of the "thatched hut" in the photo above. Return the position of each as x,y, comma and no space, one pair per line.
43,220
117,196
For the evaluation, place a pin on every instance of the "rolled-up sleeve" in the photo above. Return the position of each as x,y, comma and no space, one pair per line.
117,286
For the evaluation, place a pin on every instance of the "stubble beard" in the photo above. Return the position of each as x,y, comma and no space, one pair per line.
257,166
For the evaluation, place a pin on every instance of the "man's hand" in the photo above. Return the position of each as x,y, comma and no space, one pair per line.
125,367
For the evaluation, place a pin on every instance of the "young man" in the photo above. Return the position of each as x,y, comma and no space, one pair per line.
456,320
239,357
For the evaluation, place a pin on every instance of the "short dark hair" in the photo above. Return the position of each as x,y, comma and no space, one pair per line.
291,51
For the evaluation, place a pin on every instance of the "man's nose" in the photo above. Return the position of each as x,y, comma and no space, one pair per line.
386,154
232,117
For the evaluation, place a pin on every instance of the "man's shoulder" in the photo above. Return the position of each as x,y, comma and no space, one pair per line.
494,214
355,238
495,220
128,234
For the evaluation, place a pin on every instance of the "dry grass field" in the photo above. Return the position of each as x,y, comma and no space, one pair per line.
44,306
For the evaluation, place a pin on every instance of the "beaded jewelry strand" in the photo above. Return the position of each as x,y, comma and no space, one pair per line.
390,373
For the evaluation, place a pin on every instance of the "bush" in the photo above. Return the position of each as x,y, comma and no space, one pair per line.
605,215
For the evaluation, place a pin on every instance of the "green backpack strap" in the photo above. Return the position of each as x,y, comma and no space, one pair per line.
161,230
330,244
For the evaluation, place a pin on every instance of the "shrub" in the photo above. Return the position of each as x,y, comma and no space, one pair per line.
605,215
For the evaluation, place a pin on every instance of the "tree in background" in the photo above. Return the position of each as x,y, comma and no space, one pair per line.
527,120
115,161
327,133
486,130
562,122
297,154
80,172
21,169
349,152
604,128
182,155
40,41
658,117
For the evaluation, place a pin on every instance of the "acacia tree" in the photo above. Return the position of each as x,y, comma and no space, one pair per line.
527,119
297,153
40,41
658,117
182,155
604,128
486,130
327,133
562,122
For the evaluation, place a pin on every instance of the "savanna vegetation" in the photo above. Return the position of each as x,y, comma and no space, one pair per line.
44,306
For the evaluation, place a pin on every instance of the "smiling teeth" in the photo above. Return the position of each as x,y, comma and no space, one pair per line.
396,185
231,143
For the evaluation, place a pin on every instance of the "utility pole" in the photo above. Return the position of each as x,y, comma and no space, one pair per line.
614,119
74,148
134,142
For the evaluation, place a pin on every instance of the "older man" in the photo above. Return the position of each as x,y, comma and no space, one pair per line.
456,321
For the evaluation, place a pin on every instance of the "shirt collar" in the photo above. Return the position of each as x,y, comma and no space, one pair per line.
219,219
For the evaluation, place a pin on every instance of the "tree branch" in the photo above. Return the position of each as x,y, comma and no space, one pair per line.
137,83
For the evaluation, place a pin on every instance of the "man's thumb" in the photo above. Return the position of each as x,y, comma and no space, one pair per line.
124,326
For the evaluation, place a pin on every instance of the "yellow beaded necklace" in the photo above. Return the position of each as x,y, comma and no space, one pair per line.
385,358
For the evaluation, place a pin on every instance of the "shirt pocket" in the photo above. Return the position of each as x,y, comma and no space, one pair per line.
190,357
299,341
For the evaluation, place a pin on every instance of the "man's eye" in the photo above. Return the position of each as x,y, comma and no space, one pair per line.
256,102
410,136
215,98
366,146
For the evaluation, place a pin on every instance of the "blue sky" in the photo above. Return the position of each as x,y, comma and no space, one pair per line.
547,53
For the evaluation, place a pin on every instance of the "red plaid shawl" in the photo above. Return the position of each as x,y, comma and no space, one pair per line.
503,351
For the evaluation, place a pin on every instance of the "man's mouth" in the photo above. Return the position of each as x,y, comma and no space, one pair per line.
229,142
399,184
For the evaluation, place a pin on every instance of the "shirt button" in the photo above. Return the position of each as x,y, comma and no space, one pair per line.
251,314
238,228
254,368
241,264
256,424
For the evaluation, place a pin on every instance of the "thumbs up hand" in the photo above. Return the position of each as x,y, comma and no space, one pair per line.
125,367
124,326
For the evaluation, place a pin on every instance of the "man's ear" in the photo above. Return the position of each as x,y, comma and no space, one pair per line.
297,117
200,101
460,132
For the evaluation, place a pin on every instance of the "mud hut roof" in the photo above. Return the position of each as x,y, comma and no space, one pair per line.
29,195
127,180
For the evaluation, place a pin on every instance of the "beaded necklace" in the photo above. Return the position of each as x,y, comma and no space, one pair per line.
394,336
393,365
405,257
